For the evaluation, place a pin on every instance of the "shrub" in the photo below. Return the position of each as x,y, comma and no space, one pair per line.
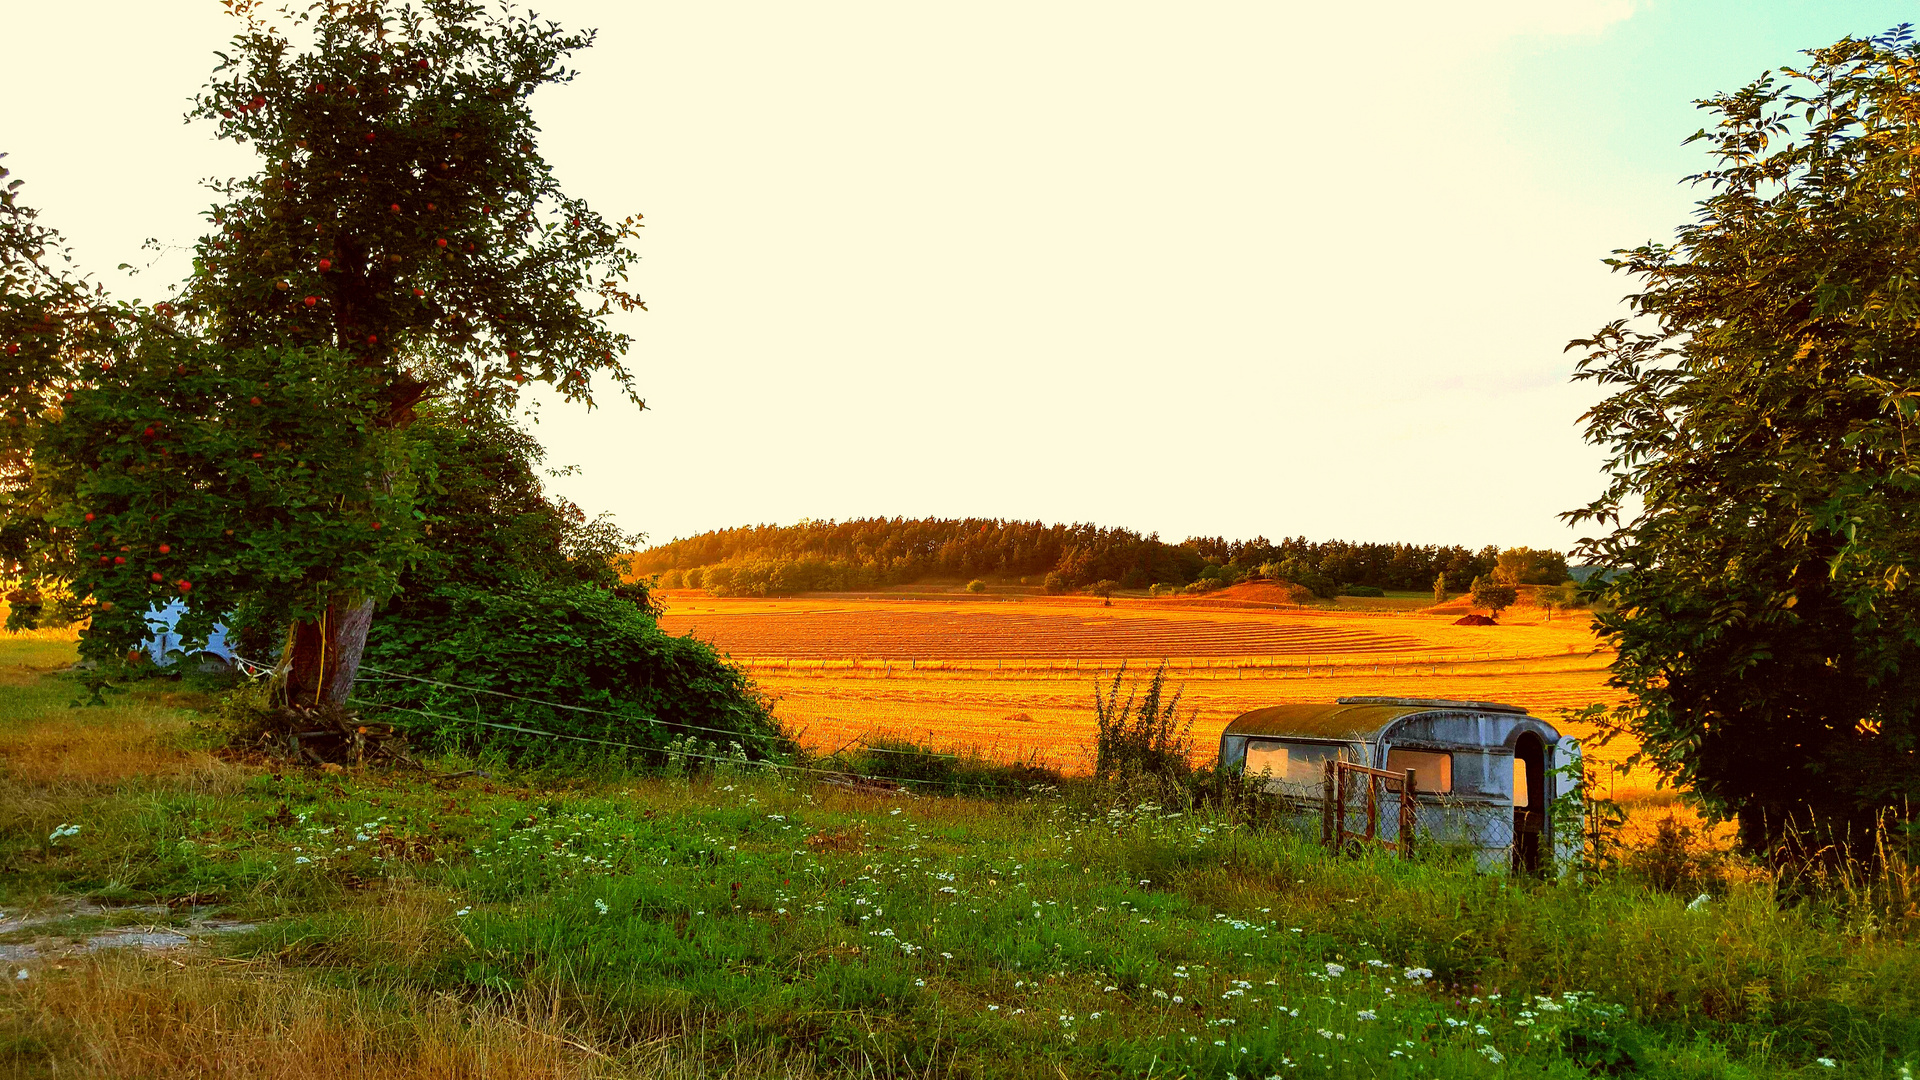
976,586
1144,735
695,578
671,579
576,645
1056,582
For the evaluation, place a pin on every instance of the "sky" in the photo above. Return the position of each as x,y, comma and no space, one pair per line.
1223,269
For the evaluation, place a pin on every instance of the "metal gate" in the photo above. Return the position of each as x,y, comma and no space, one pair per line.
1344,779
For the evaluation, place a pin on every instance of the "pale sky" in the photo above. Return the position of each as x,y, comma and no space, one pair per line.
1200,269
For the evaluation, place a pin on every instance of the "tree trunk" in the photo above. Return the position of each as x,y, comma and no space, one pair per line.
325,654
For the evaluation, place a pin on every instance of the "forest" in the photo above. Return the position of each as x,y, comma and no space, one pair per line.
873,552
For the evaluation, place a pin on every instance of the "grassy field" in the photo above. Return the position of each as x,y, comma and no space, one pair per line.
762,925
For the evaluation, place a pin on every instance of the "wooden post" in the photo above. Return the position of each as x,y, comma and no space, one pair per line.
1408,806
1326,808
1373,806
1339,805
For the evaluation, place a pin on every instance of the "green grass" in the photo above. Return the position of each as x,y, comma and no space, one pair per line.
1045,936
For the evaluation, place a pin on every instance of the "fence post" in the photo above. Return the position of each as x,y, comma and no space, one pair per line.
1407,816
1330,817
1373,806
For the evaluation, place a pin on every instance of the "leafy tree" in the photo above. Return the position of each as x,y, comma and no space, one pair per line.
1440,588
1764,513
1493,595
52,325
1530,566
403,239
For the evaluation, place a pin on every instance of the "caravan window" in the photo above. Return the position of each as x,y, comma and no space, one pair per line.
1432,769
1295,764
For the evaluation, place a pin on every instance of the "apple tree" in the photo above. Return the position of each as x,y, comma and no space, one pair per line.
401,239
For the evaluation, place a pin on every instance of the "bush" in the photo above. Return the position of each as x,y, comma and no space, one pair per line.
1056,583
976,586
572,644
671,579
695,578
1142,737
1361,590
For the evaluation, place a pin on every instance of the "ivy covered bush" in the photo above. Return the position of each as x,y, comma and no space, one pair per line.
517,598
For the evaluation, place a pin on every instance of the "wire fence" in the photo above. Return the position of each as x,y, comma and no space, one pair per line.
1202,667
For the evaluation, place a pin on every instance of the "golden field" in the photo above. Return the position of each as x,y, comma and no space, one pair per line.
1016,677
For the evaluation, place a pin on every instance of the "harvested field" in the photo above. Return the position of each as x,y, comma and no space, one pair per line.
1017,678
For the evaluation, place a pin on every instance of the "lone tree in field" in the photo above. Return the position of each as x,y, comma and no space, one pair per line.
1495,596
1764,417
403,238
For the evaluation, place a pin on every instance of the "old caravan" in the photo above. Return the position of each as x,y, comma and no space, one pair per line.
1485,774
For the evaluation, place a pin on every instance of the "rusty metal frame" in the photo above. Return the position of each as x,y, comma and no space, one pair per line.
1333,806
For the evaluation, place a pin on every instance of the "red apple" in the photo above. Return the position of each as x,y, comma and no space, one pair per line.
105,560
184,585
423,65
373,339
118,560
395,208
511,355
312,300
106,605
326,265
165,550
147,433
12,349
89,517
253,401
376,524
419,292
442,242
157,576
519,378
258,454
369,136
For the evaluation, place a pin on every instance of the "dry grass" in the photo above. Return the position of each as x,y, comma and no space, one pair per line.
127,1016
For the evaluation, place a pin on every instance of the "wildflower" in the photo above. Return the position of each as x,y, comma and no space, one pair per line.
1177,999
1367,1014
1828,1063
462,912
1417,974
946,956
1161,994
298,859
1493,1055
993,1008
20,975
600,906
1334,971
61,832
1109,990
1699,903
919,982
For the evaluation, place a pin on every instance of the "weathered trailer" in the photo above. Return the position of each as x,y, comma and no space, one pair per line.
1485,774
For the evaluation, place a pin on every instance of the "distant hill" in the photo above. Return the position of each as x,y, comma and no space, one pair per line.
765,560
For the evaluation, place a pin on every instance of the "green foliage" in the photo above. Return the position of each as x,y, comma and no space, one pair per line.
575,644
261,483
1530,566
1493,595
1361,590
53,324
402,210
1143,736
1440,588
924,770
488,519
899,550
1764,507
976,586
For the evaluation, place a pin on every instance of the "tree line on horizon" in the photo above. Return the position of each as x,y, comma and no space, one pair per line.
768,560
